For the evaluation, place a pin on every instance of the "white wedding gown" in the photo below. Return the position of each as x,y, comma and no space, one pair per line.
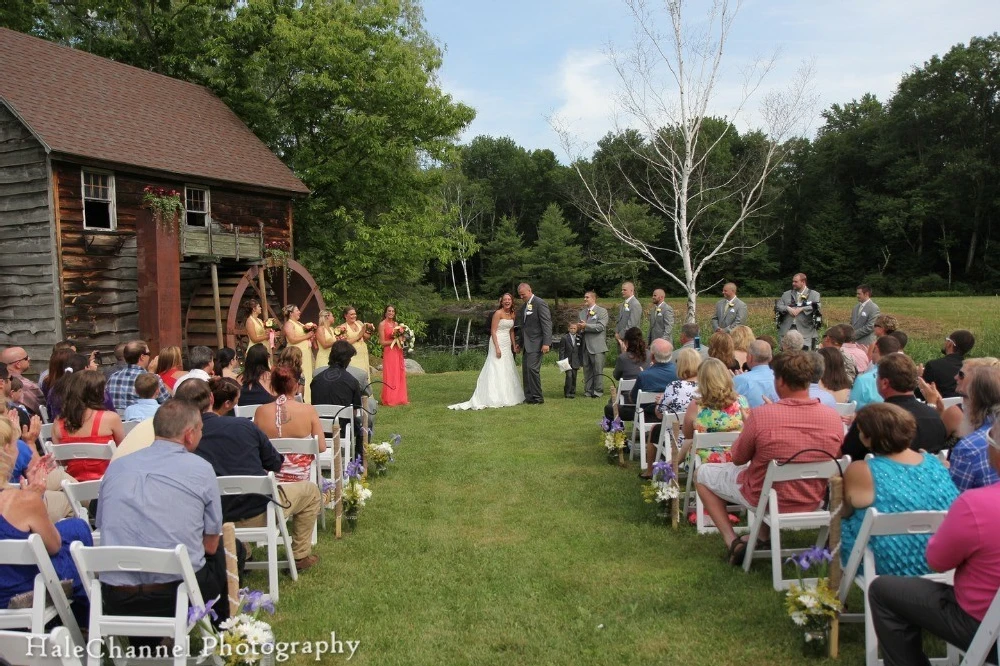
499,384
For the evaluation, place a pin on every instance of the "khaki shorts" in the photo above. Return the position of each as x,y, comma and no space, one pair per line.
720,478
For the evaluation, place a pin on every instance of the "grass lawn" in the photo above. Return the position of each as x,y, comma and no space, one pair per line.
504,536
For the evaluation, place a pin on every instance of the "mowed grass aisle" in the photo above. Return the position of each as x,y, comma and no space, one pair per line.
503,536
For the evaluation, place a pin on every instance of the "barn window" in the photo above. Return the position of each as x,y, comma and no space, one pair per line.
196,206
98,200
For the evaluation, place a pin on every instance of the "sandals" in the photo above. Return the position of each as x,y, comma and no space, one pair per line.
737,551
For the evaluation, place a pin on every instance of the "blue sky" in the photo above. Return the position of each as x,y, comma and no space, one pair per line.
518,62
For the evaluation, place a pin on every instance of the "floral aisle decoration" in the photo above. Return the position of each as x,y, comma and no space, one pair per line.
356,491
381,455
813,605
663,488
165,205
402,337
614,437
242,640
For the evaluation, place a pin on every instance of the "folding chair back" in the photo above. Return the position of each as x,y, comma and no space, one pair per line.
43,411
45,434
983,645
22,649
64,453
768,512
245,411
329,417
274,527
303,446
846,408
641,426
884,524
92,561
951,402
31,552
78,492
128,426
701,441
624,389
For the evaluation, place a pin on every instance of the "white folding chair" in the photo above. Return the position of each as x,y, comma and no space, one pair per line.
78,492
269,534
768,512
92,561
623,392
45,434
43,411
846,408
983,643
701,441
951,402
31,552
128,426
641,426
877,524
666,434
23,649
245,411
307,446
329,417
63,453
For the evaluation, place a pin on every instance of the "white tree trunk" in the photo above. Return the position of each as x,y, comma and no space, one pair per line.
451,264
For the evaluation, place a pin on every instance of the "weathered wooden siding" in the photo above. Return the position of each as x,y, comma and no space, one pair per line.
99,284
27,286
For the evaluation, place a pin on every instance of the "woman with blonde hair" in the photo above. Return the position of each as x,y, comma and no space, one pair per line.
300,337
357,333
716,407
170,366
324,340
720,346
742,337
676,397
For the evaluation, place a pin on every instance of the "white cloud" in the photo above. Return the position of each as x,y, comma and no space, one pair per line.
586,84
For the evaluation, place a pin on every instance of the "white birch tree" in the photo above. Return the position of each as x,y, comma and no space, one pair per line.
670,85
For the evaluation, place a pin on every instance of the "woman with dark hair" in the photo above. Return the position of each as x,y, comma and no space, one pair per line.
301,338
357,333
835,380
256,377
287,418
225,394
226,363
256,333
896,479
632,355
393,365
170,366
57,396
499,384
57,367
721,346
85,420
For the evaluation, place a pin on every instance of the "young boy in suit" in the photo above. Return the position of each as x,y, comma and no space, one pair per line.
571,348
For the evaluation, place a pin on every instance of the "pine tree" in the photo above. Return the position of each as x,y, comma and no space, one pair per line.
555,262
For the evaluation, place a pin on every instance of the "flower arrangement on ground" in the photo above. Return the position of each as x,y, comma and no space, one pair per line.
812,606
380,455
662,489
614,434
164,203
243,639
356,492
402,337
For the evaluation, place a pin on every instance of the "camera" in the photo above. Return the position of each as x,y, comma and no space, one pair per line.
816,316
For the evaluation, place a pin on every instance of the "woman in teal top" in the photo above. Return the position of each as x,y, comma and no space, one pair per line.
896,479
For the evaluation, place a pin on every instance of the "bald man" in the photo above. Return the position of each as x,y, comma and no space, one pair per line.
730,311
661,319
18,362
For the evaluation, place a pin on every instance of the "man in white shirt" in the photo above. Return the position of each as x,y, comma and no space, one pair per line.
202,366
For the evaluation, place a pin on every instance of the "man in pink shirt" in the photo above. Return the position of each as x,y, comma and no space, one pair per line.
774,431
858,353
968,541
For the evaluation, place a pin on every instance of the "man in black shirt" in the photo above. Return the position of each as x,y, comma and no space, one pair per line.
336,386
941,371
236,447
897,379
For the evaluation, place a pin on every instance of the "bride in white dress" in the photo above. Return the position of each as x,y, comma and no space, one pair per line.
499,384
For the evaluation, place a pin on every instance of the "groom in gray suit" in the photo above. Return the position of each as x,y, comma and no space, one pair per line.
629,312
534,336
863,316
594,322
730,311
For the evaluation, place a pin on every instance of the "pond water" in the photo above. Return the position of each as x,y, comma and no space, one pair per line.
456,334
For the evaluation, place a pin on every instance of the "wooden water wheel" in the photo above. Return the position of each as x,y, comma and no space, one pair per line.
274,287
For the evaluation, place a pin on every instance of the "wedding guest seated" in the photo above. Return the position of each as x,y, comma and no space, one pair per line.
61,354
941,371
631,361
902,337
815,390
256,377
84,420
716,407
857,352
237,447
955,422
968,541
885,324
689,332
720,346
291,358
57,395
119,363
287,418
202,362
170,366
865,389
835,338
225,395
657,376
897,479
121,385
336,386
757,383
792,341
896,381
18,362
742,337
22,513
226,364
158,497
835,380
773,432
676,397
970,465
146,387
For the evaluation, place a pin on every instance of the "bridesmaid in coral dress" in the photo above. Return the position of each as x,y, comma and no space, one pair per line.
297,336
357,333
393,366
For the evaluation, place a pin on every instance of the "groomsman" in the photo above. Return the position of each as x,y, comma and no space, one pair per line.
863,316
629,312
730,311
533,324
661,319
795,310
594,325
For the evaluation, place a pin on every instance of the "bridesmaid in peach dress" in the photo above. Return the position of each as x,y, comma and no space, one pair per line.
393,365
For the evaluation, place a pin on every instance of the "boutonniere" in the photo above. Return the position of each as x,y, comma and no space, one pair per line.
626,307
591,312
529,308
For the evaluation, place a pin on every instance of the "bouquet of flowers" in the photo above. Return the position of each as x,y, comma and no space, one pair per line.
356,491
614,434
402,337
273,328
663,487
243,637
380,455
370,329
340,332
812,606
